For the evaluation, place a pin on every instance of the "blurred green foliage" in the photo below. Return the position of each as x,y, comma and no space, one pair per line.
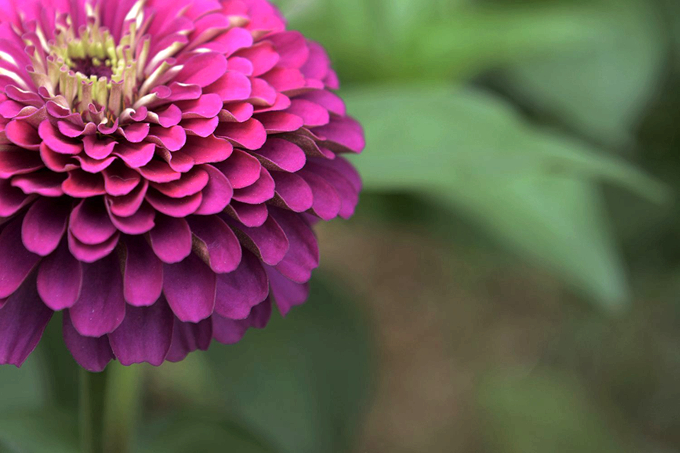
551,125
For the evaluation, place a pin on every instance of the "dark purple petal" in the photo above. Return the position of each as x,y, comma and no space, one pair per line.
101,306
93,354
144,335
239,291
23,319
287,293
44,225
189,287
143,278
171,239
16,263
60,278
188,337
216,243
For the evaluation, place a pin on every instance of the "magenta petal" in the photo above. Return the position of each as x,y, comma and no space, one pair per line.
143,279
188,337
19,162
261,191
56,141
60,278
90,222
12,200
22,134
216,242
287,293
144,335
91,253
120,180
293,191
312,114
251,215
279,122
241,169
207,150
189,287
189,184
202,69
98,148
16,263
217,194
207,106
140,222
174,207
231,86
292,47
303,253
229,331
268,241
172,139
101,306
46,184
44,225
93,354
23,319
239,291
283,155
135,155
326,99
171,239
250,134
327,203
343,134
83,185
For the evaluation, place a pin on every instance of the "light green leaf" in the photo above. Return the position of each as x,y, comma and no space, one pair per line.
543,412
532,189
600,89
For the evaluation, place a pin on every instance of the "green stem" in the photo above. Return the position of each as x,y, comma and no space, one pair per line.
109,409
92,402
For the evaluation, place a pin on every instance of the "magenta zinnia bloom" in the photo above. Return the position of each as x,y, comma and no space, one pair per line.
162,164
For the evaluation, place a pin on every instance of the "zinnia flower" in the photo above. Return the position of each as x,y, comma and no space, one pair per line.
162,164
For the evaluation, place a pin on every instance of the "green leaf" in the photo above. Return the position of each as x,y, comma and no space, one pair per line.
601,89
532,189
47,430
542,413
298,385
372,40
198,433
302,381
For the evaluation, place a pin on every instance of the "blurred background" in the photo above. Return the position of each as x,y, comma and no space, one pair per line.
510,282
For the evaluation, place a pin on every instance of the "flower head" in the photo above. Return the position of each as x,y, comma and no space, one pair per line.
161,167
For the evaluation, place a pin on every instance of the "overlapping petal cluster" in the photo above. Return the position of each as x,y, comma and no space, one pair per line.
162,165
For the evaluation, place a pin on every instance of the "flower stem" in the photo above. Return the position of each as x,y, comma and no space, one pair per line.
109,408
92,400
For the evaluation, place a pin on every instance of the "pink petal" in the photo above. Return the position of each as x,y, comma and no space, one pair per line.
251,215
22,134
91,253
98,148
231,86
135,155
80,184
207,150
56,141
189,184
174,207
172,139
120,180
47,184
202,69
19,162
292,48
263,56
327,203
312,114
